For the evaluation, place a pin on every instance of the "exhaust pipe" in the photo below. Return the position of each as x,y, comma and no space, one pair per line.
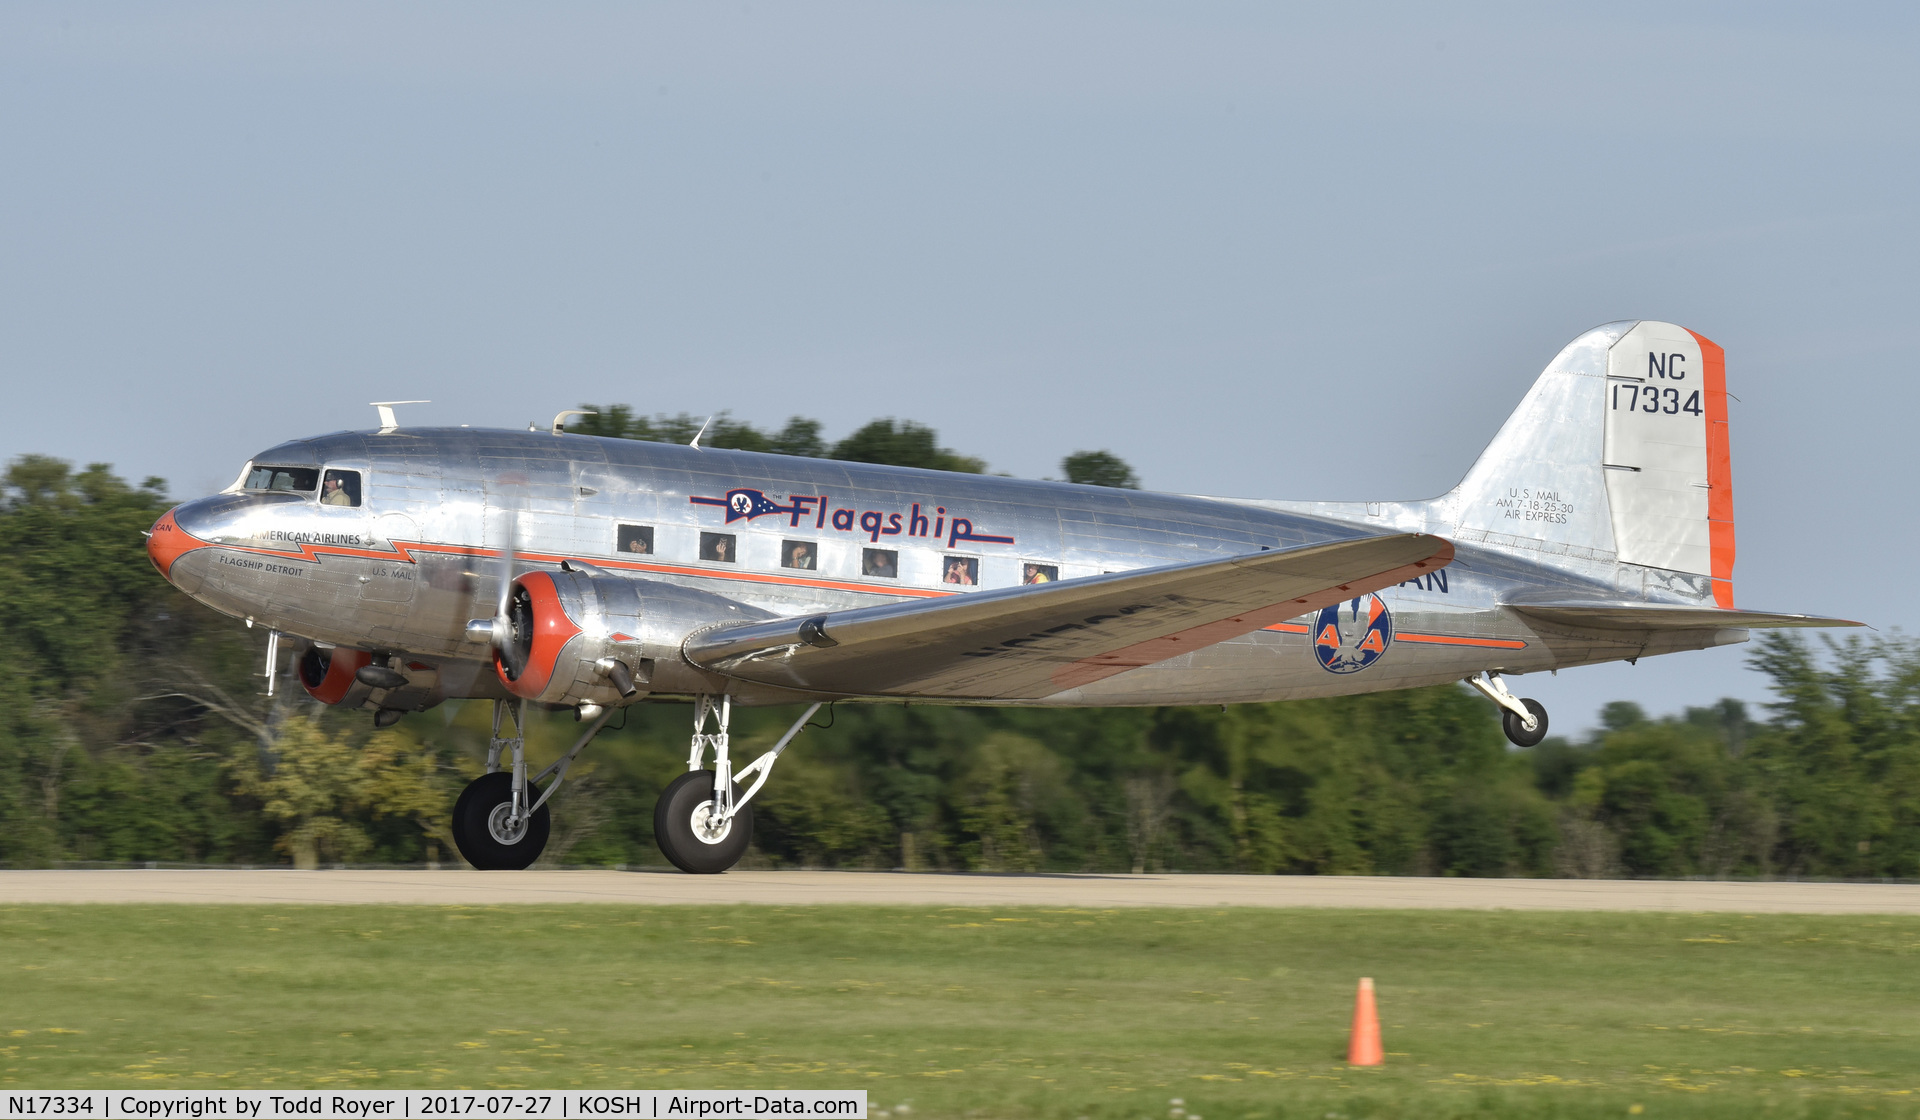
618,675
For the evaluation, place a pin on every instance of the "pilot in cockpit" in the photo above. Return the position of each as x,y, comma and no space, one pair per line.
332,493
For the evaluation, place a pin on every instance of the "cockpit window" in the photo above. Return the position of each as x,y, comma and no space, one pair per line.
293,479
341,488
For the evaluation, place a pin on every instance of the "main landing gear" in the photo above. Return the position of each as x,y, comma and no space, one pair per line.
702,822
1524,720
501,821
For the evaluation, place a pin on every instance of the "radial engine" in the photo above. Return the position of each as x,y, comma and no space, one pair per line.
583,637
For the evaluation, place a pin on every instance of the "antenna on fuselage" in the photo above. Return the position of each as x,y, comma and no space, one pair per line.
703,431
560,418
387,421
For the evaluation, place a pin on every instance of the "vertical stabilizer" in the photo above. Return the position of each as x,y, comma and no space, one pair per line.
1618,453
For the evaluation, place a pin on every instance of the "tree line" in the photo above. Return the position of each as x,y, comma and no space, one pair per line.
133,727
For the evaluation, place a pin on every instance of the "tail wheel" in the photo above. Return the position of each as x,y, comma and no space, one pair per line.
482,831
683,825
1517,733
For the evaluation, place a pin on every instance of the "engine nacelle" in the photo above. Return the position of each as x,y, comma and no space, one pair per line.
330,675
586,638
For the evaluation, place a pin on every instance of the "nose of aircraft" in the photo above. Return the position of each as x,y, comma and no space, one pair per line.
175,535
165,542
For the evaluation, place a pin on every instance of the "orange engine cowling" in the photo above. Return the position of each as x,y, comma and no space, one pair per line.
328,675
581,637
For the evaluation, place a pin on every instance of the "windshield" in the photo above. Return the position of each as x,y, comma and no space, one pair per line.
296,479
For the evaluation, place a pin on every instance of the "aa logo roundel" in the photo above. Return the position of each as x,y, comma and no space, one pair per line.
1348,637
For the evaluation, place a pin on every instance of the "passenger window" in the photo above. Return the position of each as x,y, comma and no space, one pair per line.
634,538
798,554
295,479
882,562
341,488
718,547
963,570
1039,573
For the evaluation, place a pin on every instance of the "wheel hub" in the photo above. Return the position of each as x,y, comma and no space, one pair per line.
503,828
708,826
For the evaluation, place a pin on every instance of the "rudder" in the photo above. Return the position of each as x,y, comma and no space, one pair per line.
1619,452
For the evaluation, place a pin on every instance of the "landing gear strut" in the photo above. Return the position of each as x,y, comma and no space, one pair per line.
501,821
702,822
1524,720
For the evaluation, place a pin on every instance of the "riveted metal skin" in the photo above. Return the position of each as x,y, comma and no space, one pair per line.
406,569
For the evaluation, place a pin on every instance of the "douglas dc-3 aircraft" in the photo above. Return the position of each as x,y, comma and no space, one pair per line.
415,565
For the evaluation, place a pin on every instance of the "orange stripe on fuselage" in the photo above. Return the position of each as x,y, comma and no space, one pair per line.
1417,639
1720,538
1455,640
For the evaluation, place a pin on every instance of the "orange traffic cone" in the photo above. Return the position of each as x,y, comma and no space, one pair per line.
1363,1045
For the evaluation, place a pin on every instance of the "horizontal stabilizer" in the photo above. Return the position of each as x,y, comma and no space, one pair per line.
1589,614
1032,641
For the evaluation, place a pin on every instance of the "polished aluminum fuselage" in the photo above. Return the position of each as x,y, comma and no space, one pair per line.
407,569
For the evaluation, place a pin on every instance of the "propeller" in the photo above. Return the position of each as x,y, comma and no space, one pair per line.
503,634
501,630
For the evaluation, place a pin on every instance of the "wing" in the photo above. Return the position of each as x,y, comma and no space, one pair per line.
1029,642
1627,615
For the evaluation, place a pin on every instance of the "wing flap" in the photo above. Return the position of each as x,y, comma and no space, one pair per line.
1029,642
1630,615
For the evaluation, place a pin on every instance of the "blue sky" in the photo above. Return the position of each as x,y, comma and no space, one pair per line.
1312,252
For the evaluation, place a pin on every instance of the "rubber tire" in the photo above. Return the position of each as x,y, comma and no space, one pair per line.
1520,736
673,827
477,845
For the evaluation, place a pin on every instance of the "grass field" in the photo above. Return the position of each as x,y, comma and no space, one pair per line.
997,1013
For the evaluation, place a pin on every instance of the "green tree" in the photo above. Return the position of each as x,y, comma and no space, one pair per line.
323,788
1099,468
903,443
1840,759
891,442
800,437
88,770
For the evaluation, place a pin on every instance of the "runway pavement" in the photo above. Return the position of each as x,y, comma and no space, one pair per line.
879,888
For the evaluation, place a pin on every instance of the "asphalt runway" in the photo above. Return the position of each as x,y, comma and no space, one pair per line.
880,888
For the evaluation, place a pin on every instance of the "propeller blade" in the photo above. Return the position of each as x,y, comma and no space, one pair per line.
504,643
506,561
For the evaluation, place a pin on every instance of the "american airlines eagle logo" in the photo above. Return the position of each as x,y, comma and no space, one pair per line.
749,504
1348,637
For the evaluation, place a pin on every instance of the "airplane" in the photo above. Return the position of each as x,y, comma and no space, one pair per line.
408,566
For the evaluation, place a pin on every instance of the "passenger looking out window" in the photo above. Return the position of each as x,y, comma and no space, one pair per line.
718,547
634,538
882,562
963,570
797,554
1039,573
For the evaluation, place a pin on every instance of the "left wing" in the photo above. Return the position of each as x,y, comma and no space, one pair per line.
1028,642
1585,614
